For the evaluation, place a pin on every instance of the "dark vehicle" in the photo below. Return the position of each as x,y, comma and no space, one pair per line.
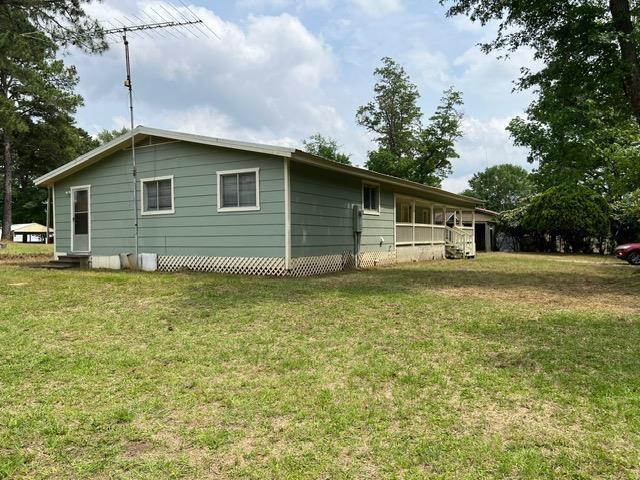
629,252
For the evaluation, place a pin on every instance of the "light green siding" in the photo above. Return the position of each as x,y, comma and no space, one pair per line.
196,227
322,215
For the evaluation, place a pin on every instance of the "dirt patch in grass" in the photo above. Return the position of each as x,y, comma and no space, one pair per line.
135,448
586,301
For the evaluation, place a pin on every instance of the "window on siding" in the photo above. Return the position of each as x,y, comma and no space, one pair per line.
157,195
370,198
239,190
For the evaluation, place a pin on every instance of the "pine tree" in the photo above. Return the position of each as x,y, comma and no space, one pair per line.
35,86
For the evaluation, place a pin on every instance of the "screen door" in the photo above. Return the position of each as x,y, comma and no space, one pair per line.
80,240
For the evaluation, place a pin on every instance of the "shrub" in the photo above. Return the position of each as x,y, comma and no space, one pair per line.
574,212
625,215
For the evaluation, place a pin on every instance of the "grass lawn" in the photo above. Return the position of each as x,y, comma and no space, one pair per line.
507,366
25,252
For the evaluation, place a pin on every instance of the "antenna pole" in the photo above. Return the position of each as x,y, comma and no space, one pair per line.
181,21
127,83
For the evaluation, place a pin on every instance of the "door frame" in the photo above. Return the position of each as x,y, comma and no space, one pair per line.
72,202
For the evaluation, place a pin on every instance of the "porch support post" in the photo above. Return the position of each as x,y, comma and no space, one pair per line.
413,223
433,230
444,223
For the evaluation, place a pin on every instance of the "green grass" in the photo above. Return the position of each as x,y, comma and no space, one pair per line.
25,250
507,366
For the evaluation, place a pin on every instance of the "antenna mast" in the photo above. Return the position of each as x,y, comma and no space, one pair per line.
176,20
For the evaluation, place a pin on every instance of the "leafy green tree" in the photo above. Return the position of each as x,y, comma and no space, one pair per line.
509,226
406,148
578,140
574,212
44,146
105,135
585,46
35,86
435,146
584,125
325,147
385,161
502,187
394,115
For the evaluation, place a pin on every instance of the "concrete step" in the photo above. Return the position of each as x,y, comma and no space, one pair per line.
53,265
69,261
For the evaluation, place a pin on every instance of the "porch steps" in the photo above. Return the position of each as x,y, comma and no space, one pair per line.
454,253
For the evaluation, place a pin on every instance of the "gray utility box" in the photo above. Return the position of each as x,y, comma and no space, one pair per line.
357,219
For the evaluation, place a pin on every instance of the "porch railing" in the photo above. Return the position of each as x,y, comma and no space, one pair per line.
426,234
461,238
419,234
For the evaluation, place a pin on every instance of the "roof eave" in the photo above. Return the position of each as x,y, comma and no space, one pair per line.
119,142
315,160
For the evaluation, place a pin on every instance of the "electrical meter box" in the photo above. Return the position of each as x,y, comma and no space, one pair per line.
357,219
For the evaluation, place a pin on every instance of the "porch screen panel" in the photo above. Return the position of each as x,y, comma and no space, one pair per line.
404,212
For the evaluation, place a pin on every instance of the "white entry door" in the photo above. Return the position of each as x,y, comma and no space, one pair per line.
80,220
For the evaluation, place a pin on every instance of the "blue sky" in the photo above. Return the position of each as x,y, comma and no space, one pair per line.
283,70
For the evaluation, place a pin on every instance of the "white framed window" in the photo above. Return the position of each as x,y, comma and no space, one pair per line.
371,198
239,190
157,196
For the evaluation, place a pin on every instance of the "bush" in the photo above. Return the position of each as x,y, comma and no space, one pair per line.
575,213
625,215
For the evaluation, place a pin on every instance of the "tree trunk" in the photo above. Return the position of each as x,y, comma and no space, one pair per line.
8,197
621,15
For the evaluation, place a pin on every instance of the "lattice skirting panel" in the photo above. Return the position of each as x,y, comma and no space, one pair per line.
375,259
305,266
274,266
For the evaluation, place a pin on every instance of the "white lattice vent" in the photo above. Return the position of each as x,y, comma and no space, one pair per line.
306,266
272,266
375,259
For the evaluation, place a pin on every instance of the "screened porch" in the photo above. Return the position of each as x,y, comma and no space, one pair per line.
418,222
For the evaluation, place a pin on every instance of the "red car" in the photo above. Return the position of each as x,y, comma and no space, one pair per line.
629,252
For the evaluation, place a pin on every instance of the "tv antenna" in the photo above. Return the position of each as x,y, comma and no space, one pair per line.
175,23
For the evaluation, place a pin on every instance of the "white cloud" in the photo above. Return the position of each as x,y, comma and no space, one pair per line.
262,80
299,5
488,81
464,24
378,8
429,70
279,77
485,143
456,184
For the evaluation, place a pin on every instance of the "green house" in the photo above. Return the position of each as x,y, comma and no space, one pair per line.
210,204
